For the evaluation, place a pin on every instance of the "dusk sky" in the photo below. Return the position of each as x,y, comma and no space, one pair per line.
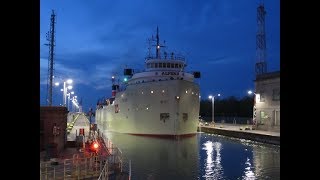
97,39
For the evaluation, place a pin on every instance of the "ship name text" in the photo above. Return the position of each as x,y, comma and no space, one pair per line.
170,73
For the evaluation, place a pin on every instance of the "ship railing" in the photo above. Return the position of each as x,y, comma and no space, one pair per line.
183,71
114,152
153,80
175,57
116,159
78,167
104,174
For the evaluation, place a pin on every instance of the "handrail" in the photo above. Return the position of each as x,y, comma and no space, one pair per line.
104,172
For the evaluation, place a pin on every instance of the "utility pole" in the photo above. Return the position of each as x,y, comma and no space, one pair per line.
51,43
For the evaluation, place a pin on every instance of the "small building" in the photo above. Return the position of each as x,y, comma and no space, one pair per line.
53,124
267,101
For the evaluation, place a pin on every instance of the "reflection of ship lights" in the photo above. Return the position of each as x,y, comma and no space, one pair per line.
213,167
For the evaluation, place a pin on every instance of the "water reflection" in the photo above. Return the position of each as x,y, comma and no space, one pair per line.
231,158
266,163
204,157
213,166
155,158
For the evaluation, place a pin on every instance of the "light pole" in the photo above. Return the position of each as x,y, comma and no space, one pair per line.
75,105
69,99
64,90
254,116
69,81
212,100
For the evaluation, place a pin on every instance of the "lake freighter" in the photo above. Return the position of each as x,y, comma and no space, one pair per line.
161,100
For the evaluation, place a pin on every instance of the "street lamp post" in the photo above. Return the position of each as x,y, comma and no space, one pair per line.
64,93
75,105
212,100
72,104
69,81
254,116
69,99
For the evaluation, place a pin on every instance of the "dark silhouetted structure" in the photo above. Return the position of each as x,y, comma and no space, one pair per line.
261,64
53,124
50,37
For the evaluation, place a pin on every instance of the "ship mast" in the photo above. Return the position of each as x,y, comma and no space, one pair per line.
158,44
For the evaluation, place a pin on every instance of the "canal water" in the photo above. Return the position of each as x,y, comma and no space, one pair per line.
204,156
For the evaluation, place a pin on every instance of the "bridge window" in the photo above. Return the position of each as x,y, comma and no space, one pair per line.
180,66
168,65
176,65
164,65
156,65
172,65
160,65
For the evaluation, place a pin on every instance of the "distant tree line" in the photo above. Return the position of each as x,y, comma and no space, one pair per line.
227,107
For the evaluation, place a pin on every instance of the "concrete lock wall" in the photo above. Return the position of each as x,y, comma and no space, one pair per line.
244,135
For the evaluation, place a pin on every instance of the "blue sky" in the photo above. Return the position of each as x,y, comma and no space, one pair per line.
96,39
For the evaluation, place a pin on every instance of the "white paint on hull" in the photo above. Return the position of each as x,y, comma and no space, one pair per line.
140,106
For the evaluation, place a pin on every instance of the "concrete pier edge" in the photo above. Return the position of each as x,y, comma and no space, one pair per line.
244,134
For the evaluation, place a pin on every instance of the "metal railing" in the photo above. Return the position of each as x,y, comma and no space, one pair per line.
83,166
75,168
87,165
104,174
116,160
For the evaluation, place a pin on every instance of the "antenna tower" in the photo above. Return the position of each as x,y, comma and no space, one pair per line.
261,64
51,43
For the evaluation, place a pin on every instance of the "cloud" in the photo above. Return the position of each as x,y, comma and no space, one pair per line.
43,70
98,39
222,60
88,68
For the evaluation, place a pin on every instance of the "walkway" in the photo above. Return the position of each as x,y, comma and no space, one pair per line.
242,131
238,127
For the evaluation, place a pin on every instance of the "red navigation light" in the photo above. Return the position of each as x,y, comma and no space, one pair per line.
95,145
